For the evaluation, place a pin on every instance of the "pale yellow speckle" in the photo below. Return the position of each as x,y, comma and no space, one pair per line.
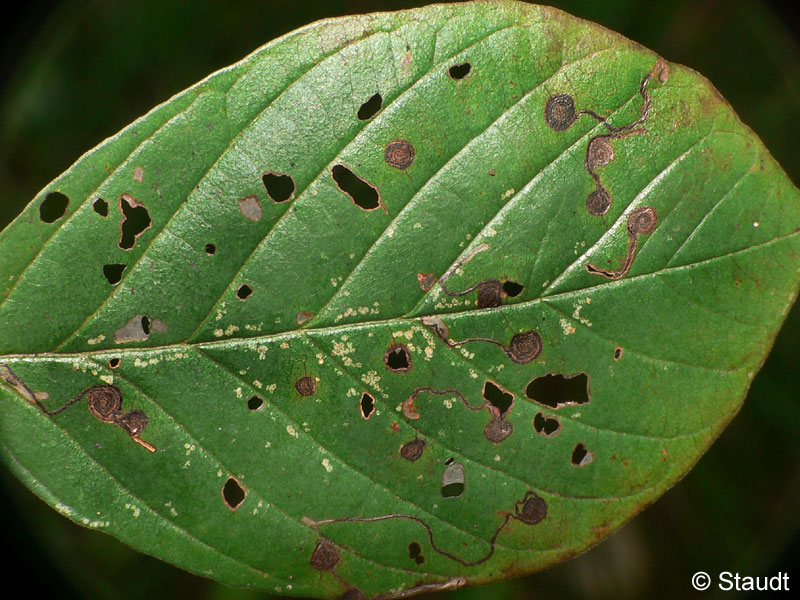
566,327
507,194
109,379
327,464
284,345
218,332
134,509
497,458
258,384
262,351
291,431
238,391
96,340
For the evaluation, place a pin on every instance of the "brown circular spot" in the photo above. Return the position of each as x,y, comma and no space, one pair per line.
133,422
599,153
598,202
559,112
531,510
399,154
643,220
104,402
524,347
489,294
306,386
412,450
497,430
325,556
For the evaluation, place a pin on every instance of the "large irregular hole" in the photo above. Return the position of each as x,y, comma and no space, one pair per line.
581,456
497,397
233,494
135,221
556,390
113,273
53,207
244,291
460,71
415,553
547,426
512,289
367,405
100,206
255,403
279,186
453,480
398,358
361,193
370,108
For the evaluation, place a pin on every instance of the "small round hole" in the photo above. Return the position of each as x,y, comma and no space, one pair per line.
512,289
114,362
244,291
460,71
100,206
397,359
255,403
233,493
279,186
370,108
113,273
367,405
210,249
53,207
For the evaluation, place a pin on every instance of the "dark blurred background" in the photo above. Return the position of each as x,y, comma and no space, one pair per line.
73,73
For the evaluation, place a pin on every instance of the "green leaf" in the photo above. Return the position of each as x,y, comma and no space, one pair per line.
407,300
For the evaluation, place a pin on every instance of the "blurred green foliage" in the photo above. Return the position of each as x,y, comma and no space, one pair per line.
74,73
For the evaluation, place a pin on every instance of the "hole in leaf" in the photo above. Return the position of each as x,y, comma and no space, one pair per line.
556,390
255,403
114,363
361,193
397,359
367,405
279,186
453,481
547,426
244,291
145,324
100,206
53,207
413,450
460,71
415,553
449,461
135,221
512,289
211,249
581,456
618,352
113,273
306,386
233,493
497,396
370,108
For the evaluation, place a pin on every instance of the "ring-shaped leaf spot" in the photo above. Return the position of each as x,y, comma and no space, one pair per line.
692,237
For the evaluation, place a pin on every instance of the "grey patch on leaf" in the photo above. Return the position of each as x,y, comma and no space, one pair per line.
132,331
250,207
